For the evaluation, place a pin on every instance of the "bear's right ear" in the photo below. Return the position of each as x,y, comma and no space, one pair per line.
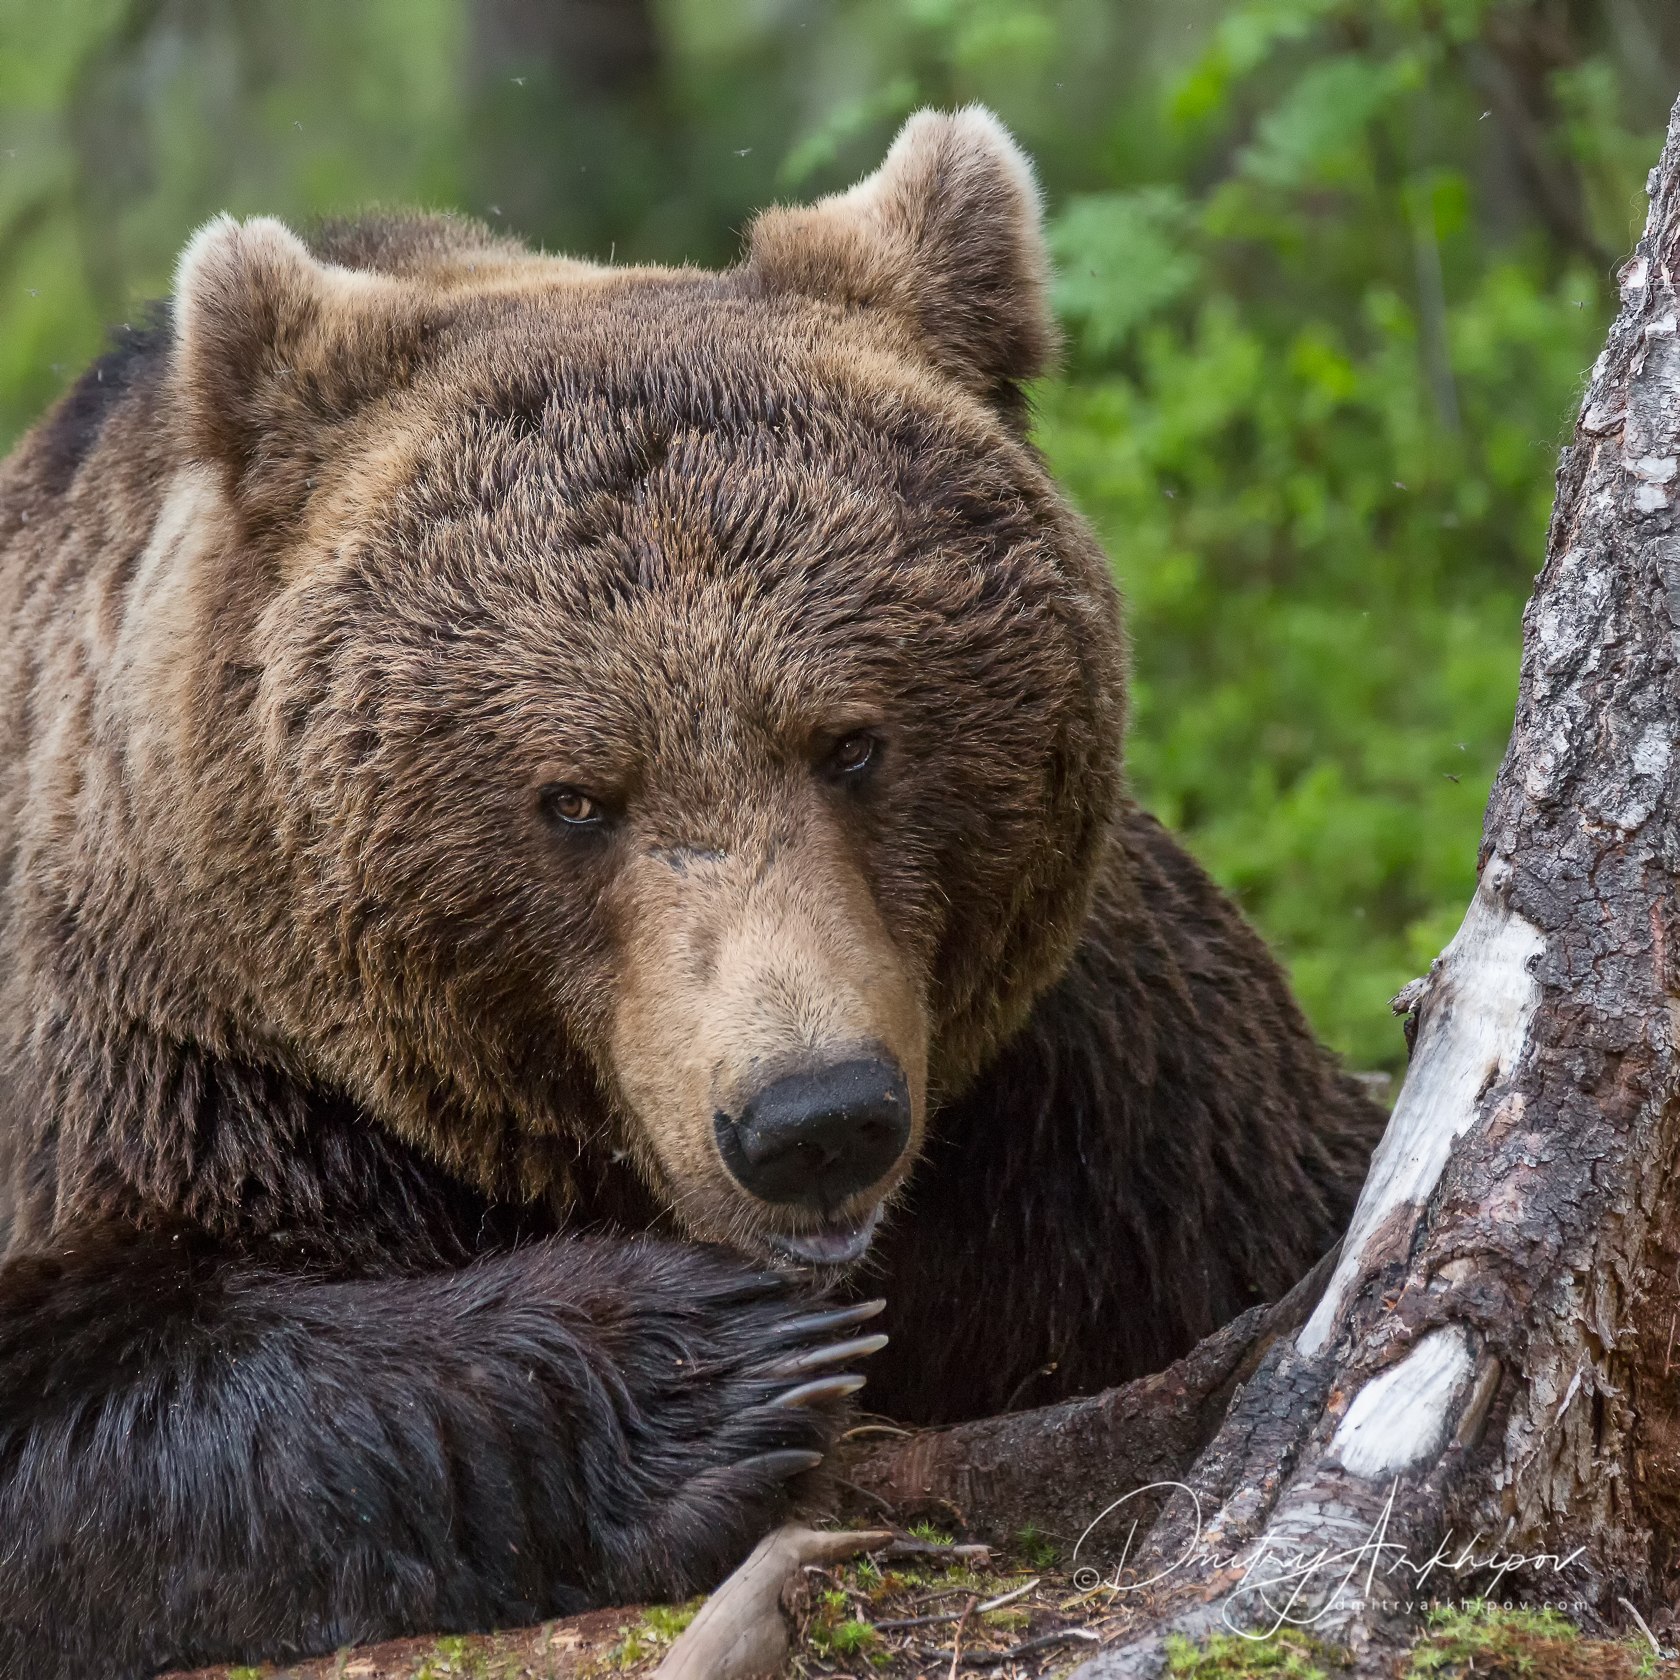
274,350
946,238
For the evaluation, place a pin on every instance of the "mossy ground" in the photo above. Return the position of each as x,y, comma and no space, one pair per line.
850,1621
1286,1655
923,1616
1503,1644
909,1616
1472,1641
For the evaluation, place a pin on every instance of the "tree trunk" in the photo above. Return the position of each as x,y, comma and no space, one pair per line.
1494,1358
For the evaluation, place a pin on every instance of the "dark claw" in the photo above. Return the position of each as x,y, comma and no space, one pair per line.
822,1390
836,1353
821,1324
789,1462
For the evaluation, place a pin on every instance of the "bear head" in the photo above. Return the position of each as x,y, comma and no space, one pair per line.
661,713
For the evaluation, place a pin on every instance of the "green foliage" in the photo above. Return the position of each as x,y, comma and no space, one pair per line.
1331,271
454,1658
666,1621
1479,1638
1284,1655
1037,1548
843,1638
1121,258
835,1630
1459,1634
1313,411
658,1628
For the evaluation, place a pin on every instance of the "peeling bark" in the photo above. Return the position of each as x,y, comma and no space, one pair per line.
1495,1353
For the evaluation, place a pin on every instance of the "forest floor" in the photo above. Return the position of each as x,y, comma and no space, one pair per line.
950,1611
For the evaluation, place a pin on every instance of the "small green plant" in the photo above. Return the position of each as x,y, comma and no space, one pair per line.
1036,1547
666,1621
933,1536
1284,1655
453,1658
845,1638
1480,1638
659,1627
835,1629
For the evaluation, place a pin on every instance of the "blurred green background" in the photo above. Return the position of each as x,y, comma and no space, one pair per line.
1332,273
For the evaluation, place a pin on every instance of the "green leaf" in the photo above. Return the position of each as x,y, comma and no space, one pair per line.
1317,133
1121,258
819,149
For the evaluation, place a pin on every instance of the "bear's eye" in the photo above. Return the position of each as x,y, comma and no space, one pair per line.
852,754
571,807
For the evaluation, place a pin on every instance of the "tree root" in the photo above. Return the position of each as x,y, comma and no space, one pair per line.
997,1476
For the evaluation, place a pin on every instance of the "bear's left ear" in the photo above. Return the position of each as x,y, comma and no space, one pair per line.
947,235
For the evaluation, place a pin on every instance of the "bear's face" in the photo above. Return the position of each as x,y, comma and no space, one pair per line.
692,713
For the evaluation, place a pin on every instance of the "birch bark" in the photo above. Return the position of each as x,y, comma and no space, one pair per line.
1494,1358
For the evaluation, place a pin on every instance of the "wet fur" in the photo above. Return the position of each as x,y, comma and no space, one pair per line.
340,1298
209,1452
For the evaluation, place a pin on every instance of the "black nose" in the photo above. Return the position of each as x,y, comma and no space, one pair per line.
818,1137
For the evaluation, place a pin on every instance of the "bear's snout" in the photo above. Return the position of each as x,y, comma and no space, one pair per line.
819,1136
770,1041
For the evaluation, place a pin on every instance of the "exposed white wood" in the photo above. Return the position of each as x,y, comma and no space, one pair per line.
1476,1014
1402,1415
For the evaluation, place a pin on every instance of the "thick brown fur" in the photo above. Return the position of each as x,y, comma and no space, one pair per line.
359,1158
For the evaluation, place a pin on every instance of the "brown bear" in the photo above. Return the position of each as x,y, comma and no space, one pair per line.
560,827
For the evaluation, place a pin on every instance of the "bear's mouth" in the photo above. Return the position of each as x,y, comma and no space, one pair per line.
835,1244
